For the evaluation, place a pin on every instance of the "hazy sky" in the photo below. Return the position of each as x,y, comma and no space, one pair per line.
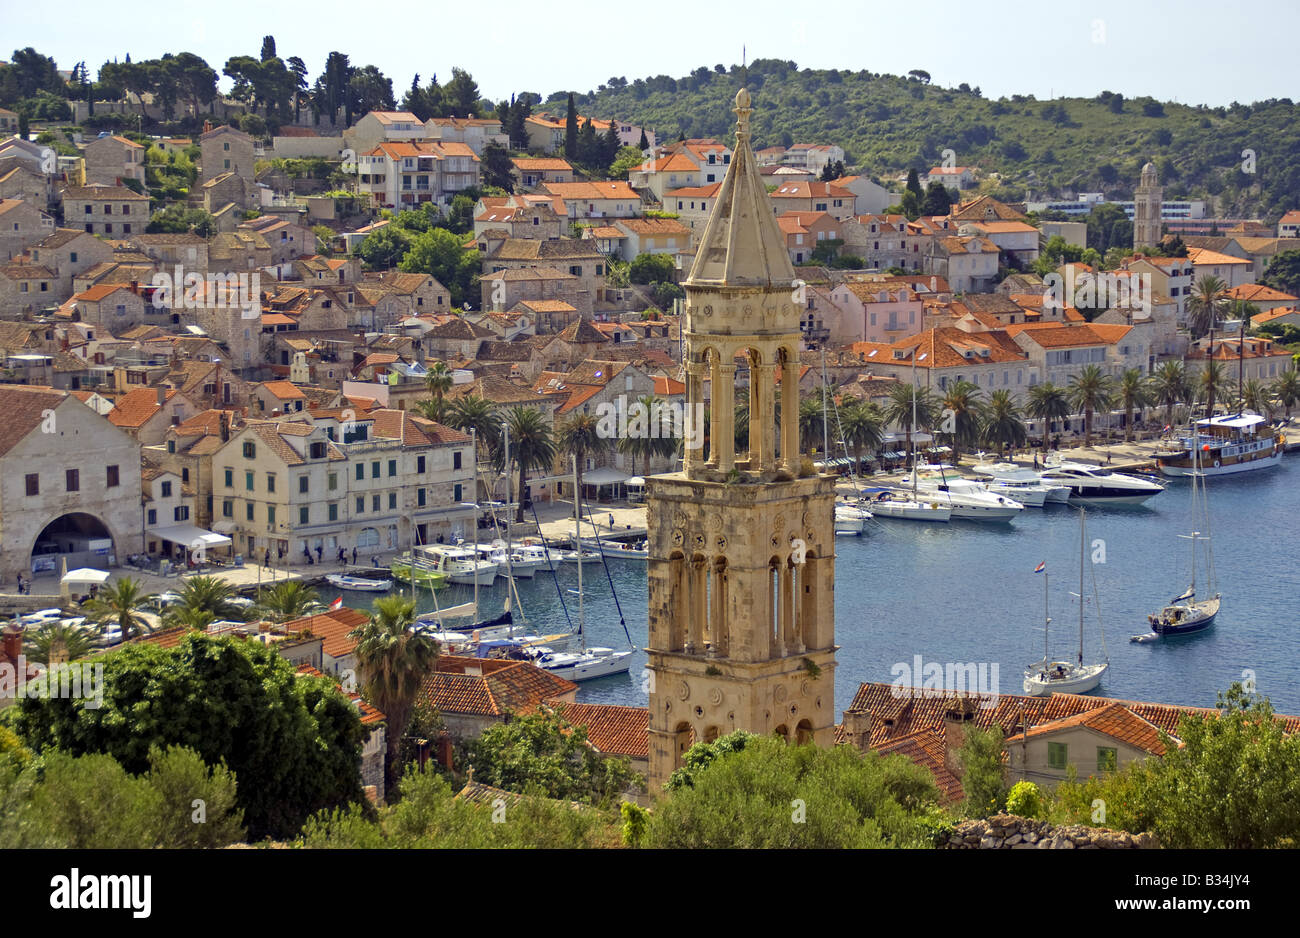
1191,51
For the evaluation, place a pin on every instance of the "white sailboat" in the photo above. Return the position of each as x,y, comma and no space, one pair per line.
897,504
1064,677
969,500
1186,615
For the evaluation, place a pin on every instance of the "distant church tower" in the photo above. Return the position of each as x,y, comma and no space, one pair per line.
742,562
1147,210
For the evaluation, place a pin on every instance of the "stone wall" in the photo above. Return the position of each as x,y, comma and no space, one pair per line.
1009,832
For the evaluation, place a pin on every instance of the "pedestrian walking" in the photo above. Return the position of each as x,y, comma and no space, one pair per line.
343,558
374,561
319,552
354,556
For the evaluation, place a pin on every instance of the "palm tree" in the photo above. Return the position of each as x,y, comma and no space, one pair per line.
1048,403
531,447
438,380
1002,424
1212,380
478,414
1170,386
289,599
580,436
811,412
1091,389
1208,298
961,404
904,399
120,604
59,642
652,443
863,425
1286,390
392,661
741,425
204,599
1133,393
1256,395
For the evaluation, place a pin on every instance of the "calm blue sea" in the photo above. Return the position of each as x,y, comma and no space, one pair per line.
966,592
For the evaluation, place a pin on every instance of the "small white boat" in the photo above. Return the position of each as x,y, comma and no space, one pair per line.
850,519
358,584
586,556
901,506
585,665
534,557
968,499
1023,484
460,564
42,616
622,551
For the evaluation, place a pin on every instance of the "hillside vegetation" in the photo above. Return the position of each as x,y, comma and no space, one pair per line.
1041,149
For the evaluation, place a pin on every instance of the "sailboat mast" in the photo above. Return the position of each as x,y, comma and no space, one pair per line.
826,441
1083,549
912,435
1047,622
577,545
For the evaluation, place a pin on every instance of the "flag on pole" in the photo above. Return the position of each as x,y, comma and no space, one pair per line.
337,604
1041,567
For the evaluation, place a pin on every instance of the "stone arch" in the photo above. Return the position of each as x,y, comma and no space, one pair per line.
70,535
718,624
803,732
679,611
683,739
783,731
697,594
774,604
711,733
806,599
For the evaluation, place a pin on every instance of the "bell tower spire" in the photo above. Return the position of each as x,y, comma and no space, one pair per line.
741,605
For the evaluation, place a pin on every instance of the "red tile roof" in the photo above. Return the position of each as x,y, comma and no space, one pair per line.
490,688
333,627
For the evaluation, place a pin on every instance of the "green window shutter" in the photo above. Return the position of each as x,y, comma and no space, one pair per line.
1057,755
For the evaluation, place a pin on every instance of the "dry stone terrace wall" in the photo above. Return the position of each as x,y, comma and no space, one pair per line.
1009,832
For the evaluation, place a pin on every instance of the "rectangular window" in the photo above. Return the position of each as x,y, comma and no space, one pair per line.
167,490
1107,759
419,464
374,502
419,497
248,510
455,459
270,481
227,508
392,468
1057,755
361,471
181,513
334,511
248,480
374,469
250,449
333,481
153,515
392,500
303,483
361,504
112,476
270,516
456,496
230,478
72,479
303,514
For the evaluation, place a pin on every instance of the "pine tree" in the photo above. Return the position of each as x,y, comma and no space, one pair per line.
268,48
609,145
644,144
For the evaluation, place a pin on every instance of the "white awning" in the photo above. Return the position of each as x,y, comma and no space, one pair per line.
191,536
84,575
604,476
635,481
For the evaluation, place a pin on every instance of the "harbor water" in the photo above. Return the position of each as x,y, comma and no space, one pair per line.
966,593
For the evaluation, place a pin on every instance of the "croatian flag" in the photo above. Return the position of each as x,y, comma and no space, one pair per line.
337,604
1041,567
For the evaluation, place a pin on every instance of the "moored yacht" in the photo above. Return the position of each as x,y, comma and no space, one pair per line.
460,564
968,499
1094,485
1021,483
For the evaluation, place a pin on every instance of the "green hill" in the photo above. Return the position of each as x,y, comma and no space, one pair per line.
1041,149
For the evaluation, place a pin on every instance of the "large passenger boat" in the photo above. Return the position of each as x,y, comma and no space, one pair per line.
1226,444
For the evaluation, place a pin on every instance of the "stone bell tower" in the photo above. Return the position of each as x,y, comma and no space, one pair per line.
1147,210
742,562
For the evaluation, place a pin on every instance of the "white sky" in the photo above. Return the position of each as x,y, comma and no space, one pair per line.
1192,51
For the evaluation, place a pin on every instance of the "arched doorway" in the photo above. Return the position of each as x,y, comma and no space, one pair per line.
82,539
803,733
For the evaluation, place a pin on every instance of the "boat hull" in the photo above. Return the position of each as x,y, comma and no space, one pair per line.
1185,619
359,584
590,668
1210,469
1039,682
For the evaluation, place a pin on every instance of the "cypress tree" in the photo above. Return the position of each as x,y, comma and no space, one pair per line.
571,130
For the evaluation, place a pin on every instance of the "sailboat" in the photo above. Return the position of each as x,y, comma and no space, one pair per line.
851,516
1063,677
894,503
1184,614
588,663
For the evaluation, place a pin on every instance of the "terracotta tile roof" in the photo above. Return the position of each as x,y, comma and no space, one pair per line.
614,730
491,688
547,306
135,408
1259,293
284,390
1203,256
984,208
437,433
1113,719
397,425
592,190
1276,313
668,387
1058,335
111,193
582,332
695,192
653,226
541,164
24,409
99,291
333,627
927,748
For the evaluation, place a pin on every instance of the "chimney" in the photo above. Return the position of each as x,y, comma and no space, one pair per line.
135,287
207,126
162,394
954,733
224,426
13,642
